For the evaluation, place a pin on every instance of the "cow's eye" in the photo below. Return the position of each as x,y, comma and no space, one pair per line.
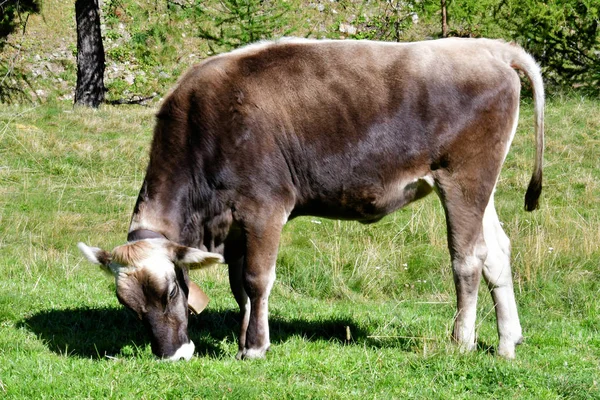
173,292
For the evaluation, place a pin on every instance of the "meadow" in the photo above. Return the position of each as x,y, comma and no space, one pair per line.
357,311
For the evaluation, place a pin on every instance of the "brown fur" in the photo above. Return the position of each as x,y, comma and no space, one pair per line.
338,129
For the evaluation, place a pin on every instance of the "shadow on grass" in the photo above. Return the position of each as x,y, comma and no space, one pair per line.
96,333
484,347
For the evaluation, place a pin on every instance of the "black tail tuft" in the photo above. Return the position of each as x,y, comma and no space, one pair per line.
533,193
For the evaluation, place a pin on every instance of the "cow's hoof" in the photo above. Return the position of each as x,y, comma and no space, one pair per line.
466,345
507,352
506,349
465,348
520,340
249,354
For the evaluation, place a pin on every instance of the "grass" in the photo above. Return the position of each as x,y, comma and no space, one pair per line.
73,175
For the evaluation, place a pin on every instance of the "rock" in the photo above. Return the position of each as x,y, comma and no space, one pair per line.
349,29
130,79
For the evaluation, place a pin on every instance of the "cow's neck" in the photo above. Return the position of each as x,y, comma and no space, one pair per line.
176,199
180,210
140,234
156,209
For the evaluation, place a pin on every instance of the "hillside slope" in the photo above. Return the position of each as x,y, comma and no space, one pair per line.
148,44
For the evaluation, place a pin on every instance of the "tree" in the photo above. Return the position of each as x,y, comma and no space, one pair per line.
390,21
90,55
564,37
233,23
444,18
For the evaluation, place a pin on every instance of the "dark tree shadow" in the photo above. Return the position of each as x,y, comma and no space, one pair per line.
97,333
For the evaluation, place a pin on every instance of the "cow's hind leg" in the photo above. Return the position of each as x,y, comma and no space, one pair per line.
467,264
468,251
498,276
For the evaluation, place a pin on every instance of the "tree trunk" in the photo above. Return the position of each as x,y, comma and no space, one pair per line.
444,19
90,55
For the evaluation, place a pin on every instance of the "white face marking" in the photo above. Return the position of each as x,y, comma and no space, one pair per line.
186,352
158,263
155,263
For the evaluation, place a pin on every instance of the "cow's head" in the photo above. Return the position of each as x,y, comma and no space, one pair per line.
152,280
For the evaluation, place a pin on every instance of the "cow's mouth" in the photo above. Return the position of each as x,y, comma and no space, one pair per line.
185,352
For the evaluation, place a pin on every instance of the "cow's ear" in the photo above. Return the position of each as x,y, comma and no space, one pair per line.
195,258
95,255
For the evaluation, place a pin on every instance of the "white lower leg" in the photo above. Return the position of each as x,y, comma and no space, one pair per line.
467,274
509,327
464,328
260,329
498,275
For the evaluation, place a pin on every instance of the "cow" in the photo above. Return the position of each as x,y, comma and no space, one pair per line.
347,130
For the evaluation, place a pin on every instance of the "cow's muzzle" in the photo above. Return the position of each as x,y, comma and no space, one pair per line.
185,352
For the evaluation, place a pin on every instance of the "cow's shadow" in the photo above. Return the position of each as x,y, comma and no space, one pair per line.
97,333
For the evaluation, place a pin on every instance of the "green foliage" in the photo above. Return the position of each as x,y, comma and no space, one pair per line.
388,21
13,80
150,43
14,14
229,24
13,84
119,54
142,39
563,35
470,18
151,35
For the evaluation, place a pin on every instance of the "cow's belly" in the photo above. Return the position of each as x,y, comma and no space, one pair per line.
401,193
367,203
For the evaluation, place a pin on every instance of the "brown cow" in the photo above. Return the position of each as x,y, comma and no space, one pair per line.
337,129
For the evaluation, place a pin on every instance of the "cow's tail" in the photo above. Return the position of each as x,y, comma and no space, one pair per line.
522,61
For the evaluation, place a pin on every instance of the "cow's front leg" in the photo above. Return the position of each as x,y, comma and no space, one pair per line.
258,276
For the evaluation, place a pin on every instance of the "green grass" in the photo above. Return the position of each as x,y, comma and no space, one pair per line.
73,175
